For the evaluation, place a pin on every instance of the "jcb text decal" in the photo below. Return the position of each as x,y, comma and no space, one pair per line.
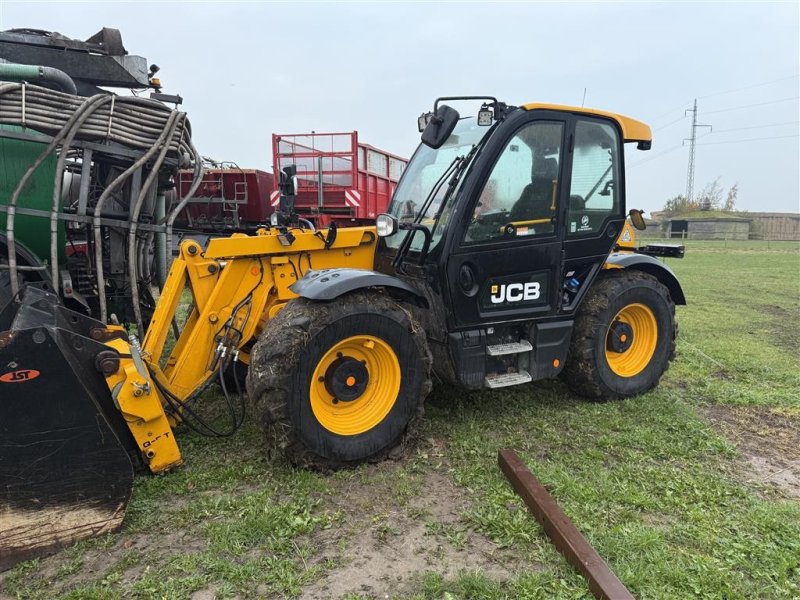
515,292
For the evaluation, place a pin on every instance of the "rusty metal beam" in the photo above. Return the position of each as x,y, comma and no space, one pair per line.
563,533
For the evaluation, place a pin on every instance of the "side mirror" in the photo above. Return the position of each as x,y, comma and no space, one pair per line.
386,224
440,126
637,218
606,191
287,185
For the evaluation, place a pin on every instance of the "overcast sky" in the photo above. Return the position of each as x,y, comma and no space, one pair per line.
249,69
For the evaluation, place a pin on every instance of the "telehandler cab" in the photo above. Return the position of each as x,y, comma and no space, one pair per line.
505,257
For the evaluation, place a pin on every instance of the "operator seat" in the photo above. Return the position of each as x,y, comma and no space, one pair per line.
536,200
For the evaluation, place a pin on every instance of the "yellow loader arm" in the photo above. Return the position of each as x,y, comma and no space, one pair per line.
233,288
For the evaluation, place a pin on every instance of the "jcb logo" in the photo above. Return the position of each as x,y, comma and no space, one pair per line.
515,292
20,376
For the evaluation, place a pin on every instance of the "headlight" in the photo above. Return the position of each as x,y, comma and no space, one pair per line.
387,225
273,219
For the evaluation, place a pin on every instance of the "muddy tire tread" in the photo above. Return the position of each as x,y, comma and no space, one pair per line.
581,372
275,356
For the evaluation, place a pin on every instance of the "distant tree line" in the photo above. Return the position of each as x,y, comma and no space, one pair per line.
713,197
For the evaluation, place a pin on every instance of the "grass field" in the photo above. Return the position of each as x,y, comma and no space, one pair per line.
690,491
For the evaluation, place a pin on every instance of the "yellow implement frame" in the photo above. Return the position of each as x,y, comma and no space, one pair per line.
235,286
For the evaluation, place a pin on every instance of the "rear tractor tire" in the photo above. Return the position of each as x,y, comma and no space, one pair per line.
339,383
623,339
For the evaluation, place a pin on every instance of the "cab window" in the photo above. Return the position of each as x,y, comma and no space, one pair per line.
593,196
519,198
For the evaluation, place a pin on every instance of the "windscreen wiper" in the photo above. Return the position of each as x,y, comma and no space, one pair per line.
459,171
405,245
455,171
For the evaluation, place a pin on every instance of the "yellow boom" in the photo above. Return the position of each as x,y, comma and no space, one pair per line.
235,286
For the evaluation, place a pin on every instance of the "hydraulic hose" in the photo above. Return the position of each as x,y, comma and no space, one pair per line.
92,104
98,240
12,203
196,181
129,120
133,218
159,215
137,123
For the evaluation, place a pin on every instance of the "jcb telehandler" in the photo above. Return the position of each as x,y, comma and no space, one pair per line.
506,257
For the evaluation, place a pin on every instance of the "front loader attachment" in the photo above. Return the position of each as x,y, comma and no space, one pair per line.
65,452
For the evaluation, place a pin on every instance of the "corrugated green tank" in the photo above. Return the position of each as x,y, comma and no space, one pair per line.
15,158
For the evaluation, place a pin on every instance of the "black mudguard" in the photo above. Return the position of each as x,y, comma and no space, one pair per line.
654,267
329,284
65,469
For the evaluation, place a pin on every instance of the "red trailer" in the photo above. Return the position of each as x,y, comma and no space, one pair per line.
228,198
339,178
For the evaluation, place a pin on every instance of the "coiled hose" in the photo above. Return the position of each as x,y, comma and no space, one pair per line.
138,123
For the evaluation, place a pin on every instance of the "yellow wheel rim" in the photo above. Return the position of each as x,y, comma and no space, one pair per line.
355,385
631,340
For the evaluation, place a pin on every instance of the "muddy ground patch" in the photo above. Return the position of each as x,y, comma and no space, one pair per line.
769,442
389,541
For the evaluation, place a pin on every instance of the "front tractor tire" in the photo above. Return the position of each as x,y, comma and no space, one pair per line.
339,383
623,339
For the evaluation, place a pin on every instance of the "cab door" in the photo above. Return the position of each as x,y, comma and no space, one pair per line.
595,213
505,258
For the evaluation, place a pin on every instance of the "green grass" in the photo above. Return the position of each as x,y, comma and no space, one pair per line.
656,488
741,332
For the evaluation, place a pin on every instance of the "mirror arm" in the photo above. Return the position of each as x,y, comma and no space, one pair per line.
418,227
425,247
447,98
